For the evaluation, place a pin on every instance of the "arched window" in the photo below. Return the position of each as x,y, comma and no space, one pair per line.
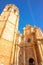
31,61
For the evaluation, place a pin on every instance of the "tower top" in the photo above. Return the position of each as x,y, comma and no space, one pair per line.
11,7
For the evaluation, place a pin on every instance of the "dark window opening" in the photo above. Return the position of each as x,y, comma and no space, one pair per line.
31,61
29,40
8,8
15,10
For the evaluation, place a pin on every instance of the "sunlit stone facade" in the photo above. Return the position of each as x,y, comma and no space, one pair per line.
16,48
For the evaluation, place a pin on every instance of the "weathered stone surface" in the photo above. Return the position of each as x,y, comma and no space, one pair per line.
5,51
2,23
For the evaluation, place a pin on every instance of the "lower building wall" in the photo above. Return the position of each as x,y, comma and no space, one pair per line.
5,52
26,54
16,59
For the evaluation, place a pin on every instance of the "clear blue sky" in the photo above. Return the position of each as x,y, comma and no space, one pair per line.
31,11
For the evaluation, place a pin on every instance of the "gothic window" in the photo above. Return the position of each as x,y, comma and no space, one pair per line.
31,61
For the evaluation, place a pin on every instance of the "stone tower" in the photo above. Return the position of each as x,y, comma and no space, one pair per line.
8,30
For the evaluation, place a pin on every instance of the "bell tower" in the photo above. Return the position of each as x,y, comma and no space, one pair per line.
8,30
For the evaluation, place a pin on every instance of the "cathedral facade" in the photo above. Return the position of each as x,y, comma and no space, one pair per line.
16,48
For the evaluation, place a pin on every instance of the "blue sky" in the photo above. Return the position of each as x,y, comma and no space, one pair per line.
31,12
